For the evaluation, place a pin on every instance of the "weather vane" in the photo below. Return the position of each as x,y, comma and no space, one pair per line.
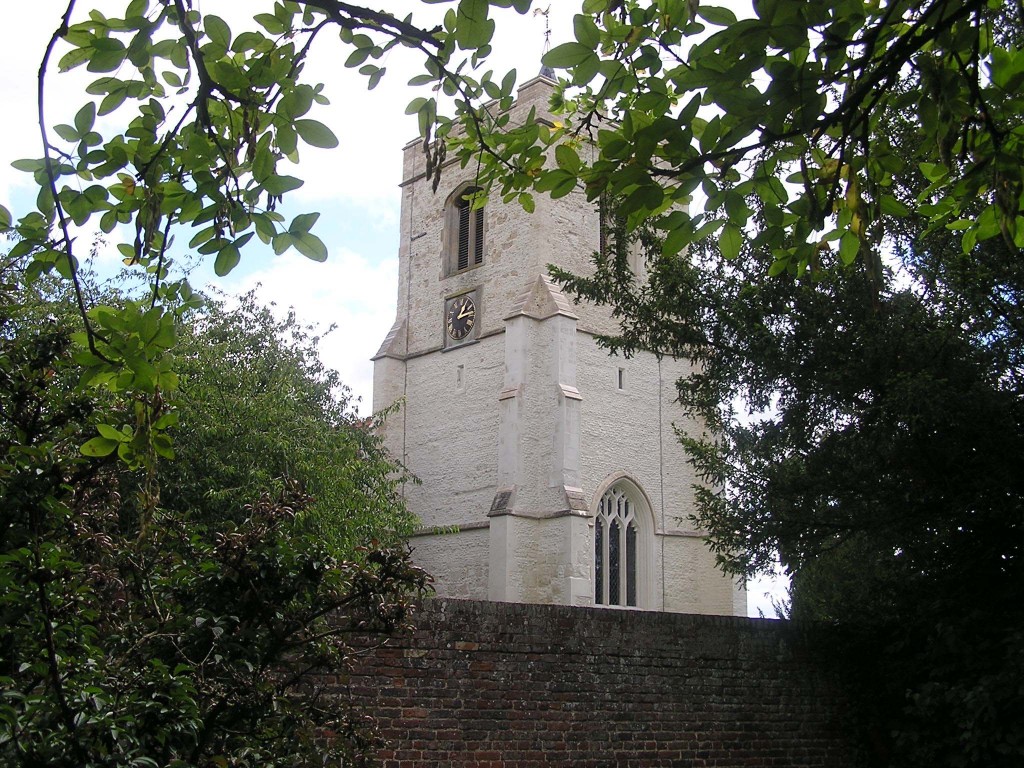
546,13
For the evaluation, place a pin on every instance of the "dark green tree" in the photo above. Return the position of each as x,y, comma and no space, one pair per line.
134,633
863,422
870,437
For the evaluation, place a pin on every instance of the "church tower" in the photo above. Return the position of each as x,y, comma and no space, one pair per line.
550,471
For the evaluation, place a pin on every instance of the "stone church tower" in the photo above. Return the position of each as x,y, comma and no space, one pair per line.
550,470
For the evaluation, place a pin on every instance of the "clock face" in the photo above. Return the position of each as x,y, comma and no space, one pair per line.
461,317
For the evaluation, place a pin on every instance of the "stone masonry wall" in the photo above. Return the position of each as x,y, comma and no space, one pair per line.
522,686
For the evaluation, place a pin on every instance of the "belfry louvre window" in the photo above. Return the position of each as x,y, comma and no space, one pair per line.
615,550
612,226
469,231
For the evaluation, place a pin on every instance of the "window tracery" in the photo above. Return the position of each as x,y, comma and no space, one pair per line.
615,550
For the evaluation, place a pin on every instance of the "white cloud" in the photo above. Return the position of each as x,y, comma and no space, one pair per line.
353,292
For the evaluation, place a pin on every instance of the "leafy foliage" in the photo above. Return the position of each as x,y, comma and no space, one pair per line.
158,613
183,636
870,150
880,461
257,407
161,613
680,98
189,126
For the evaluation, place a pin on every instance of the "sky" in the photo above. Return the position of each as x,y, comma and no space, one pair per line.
354,187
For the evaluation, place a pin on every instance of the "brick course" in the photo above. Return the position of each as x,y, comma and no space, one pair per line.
520,686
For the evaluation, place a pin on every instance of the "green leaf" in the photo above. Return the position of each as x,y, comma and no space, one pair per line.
113,100
357,57
111,433
316,134
217,30
567,158
227,259
508,83
73,58
1007,68
849,247
969,240
270,23
164,447
287,139
67,132
99,446
311,246
85,118
303,223
279,185
282,242
586,31
558,183
720,17
263,163
934,171
108,54
29,166
730,241
567,55
167,420
472,27
893,207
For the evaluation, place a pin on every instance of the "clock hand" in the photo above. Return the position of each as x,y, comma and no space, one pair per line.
463,313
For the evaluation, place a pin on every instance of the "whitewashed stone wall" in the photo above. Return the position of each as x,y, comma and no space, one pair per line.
516,434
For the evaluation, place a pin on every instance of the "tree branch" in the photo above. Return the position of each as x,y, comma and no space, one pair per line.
90,332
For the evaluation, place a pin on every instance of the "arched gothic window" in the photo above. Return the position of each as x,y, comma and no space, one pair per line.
616,533
465,239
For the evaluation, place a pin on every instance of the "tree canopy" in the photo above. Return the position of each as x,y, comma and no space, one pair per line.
785,106
257,410
170,614
863,425
673,96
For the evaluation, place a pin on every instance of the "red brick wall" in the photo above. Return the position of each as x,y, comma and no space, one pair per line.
519,686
